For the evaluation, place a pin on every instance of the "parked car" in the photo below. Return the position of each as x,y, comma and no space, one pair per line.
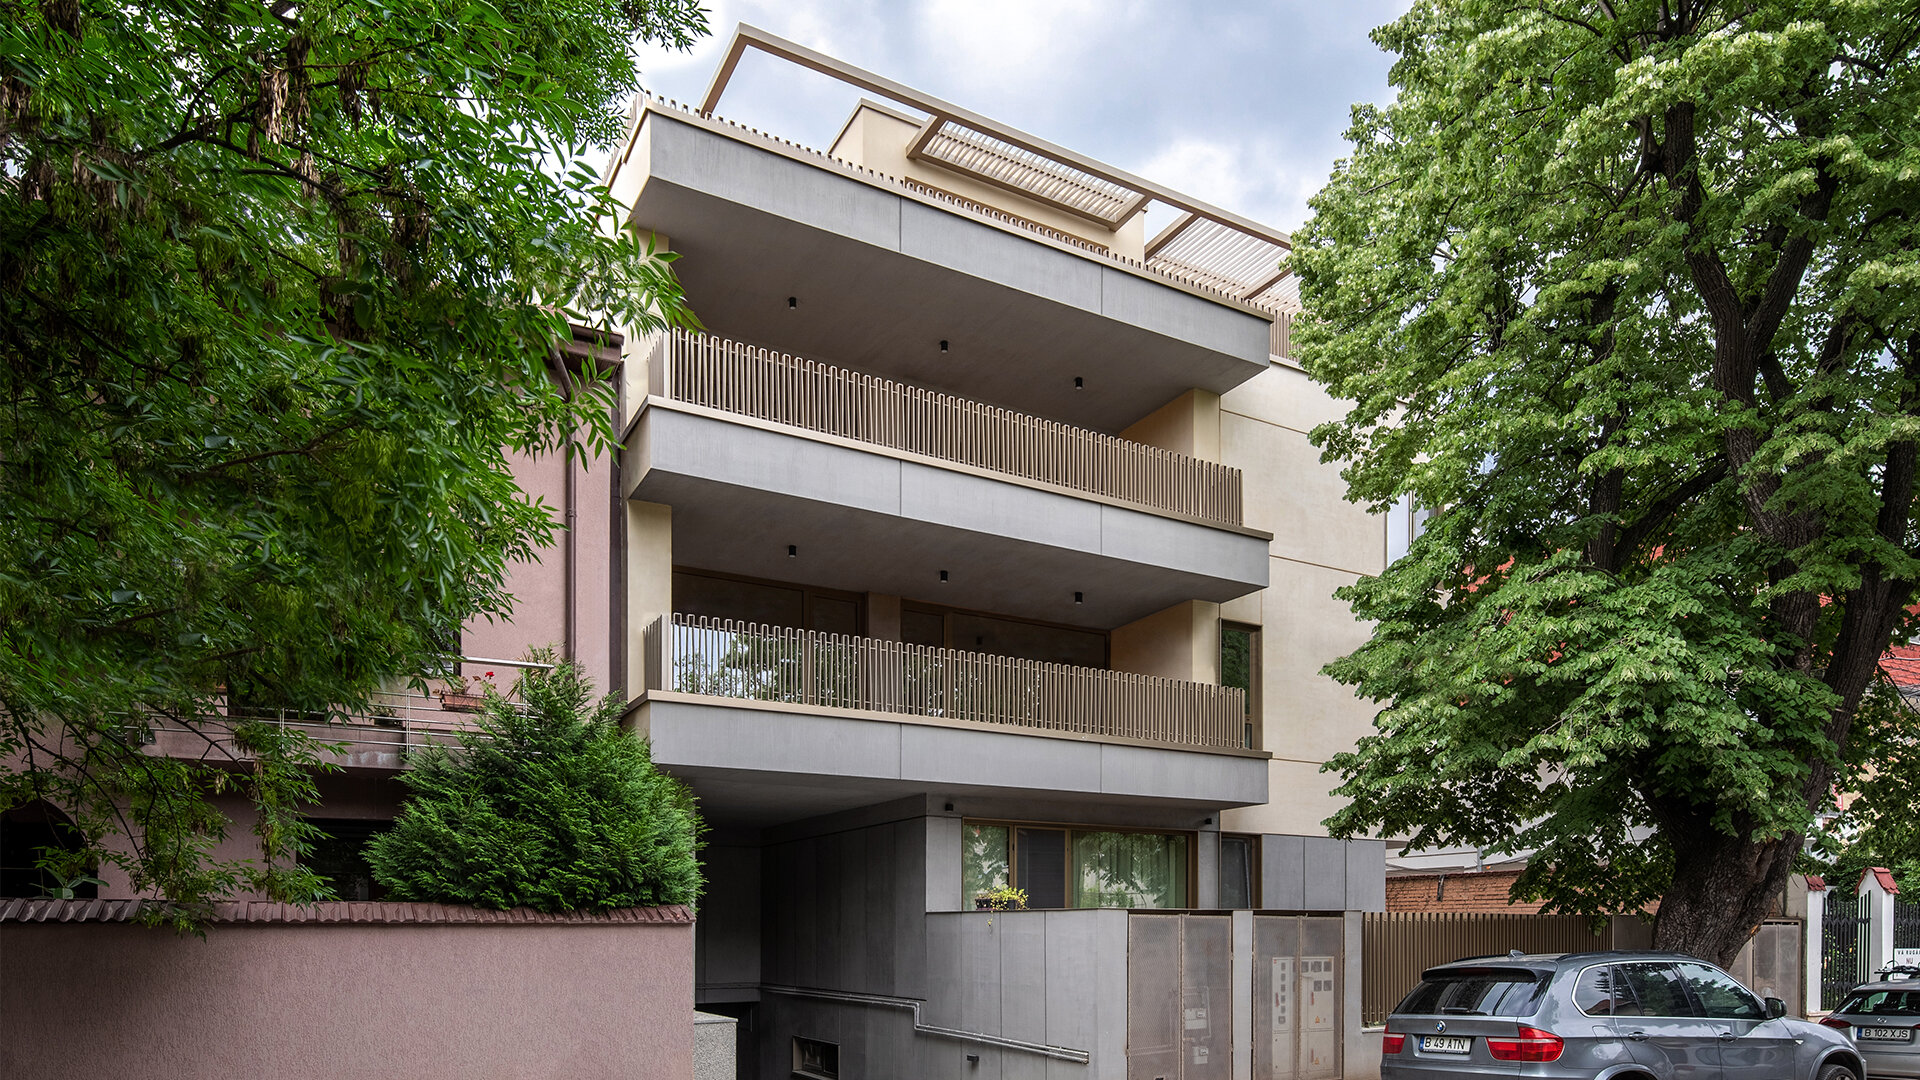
1884,1020
1603,1016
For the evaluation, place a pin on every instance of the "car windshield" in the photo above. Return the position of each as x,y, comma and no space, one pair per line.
1883,1003
1475,992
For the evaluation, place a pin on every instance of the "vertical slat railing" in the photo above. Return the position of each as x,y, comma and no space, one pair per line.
749,661
704,370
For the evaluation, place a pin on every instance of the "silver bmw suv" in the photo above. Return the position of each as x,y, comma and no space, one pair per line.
1603,1016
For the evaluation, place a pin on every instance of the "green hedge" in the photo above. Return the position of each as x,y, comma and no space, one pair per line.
551,806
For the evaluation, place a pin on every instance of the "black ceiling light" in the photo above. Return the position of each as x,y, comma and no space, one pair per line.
1079,383
943,344
793,550
793,301
943,577
1079,598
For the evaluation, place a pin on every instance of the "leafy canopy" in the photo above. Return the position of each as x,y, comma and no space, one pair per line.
1630,292
551,806
281,285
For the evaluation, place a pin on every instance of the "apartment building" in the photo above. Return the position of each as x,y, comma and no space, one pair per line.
976,544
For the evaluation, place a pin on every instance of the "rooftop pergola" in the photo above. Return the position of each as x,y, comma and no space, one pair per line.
1216,247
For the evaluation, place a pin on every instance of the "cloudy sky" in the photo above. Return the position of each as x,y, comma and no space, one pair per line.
1240,103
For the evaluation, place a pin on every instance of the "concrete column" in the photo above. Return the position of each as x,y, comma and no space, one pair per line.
1206,863
649,582
1816,916
1189,424
634,350
1180,642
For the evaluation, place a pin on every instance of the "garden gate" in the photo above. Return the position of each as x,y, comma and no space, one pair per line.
1844,959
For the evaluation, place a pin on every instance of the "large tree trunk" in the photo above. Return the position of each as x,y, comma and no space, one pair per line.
1723,886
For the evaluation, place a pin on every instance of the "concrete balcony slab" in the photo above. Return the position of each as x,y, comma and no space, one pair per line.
865,518
880,275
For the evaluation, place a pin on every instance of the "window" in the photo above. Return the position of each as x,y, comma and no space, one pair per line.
1882,1003
1079,868
1719,996
27,833
1405,523
767,602
1475,992
816,1060
926,624
1595,993
1239,886
1240,667
1655,990
339,856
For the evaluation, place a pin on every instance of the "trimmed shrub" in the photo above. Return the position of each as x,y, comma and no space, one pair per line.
550,806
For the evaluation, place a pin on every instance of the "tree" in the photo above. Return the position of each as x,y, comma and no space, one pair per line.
1879,823
1627,292
280,285
552,807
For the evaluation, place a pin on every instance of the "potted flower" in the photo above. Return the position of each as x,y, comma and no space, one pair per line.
461,695
1003,898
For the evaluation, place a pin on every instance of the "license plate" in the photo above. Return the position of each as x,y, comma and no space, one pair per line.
1445,1044
1884,1034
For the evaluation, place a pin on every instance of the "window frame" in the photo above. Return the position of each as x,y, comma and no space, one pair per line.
1013,827
1253,869
1256,714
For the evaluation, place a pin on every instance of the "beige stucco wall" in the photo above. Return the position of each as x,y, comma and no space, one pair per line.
103,1001
1320,543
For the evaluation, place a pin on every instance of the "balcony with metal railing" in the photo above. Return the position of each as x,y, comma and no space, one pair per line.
772,724
784,468
843,673
701,369
379,735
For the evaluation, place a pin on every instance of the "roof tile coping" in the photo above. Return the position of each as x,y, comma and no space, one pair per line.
1884,875
341,911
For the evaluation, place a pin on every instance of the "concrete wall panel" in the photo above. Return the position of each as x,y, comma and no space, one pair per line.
989,758
978,504
731,170
1184,316
959,243
1325,874
1283,867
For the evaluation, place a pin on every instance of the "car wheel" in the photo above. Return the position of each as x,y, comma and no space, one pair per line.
1837,1072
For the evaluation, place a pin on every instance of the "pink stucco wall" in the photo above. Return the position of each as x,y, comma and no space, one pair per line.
391,991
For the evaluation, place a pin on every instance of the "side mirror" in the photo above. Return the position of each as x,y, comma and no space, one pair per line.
1776,1008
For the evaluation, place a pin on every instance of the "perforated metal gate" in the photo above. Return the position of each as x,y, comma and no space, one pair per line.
1179,997
1181,991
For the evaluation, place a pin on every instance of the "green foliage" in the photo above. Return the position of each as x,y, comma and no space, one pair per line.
550,806
1628,291
1880,823
281,285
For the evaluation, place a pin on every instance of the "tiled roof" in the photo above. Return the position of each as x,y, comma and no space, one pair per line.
1816,883
1885,876
339,911
1902,665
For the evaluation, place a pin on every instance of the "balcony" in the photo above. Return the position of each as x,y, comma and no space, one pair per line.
772,723
699,369
785,244
777,466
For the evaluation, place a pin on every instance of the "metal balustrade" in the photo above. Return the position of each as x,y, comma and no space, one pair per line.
752,662
701,369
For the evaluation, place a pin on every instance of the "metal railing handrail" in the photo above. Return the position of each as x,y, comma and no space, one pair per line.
724,658
702,369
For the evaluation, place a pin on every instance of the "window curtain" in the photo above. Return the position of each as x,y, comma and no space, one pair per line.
1129,870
